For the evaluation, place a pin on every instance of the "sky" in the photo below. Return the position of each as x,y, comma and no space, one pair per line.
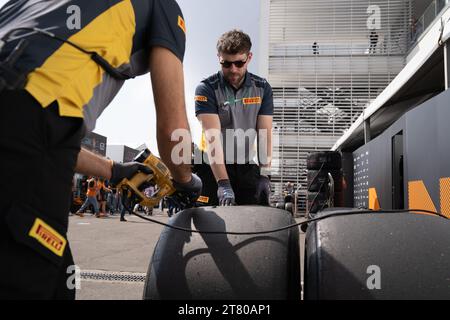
130,118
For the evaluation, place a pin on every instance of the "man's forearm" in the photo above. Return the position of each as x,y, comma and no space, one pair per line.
168,88
90,164
215,154
265,141
266,159
219,171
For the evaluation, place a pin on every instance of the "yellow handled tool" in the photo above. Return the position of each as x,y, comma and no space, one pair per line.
160,178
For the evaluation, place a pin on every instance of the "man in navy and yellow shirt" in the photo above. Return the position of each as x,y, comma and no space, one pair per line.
65,90
235,108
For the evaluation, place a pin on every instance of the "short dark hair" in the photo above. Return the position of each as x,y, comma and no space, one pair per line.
234,42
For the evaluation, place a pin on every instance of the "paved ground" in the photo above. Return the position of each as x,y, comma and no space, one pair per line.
114,256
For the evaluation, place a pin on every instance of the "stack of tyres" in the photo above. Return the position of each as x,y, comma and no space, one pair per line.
319,165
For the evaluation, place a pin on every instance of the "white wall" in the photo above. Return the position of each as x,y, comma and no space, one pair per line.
115,152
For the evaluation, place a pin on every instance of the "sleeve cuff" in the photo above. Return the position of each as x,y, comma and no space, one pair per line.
205,112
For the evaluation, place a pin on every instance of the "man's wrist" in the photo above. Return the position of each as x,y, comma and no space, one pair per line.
224,183
181,174
183,180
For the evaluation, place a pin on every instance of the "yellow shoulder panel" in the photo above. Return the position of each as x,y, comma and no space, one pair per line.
70,76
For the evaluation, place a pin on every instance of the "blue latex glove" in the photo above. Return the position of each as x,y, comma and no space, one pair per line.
225,193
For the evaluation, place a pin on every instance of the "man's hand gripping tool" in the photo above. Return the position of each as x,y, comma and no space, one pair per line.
134,188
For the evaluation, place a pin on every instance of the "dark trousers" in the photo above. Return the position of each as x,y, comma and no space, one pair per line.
243,179
123,211
38,153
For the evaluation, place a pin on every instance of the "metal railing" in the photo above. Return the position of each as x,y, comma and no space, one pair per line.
325,66
382,47
426,19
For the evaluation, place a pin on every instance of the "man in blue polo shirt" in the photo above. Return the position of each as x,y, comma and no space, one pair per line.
235,109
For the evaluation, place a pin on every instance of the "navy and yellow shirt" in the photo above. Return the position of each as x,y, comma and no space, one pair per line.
238,110
121,31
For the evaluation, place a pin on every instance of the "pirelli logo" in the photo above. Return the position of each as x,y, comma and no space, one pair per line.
253,100
201,98
182,24
48,237
203,199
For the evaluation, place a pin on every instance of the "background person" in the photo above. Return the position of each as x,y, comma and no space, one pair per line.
91,198
373,38
102,194
315,48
